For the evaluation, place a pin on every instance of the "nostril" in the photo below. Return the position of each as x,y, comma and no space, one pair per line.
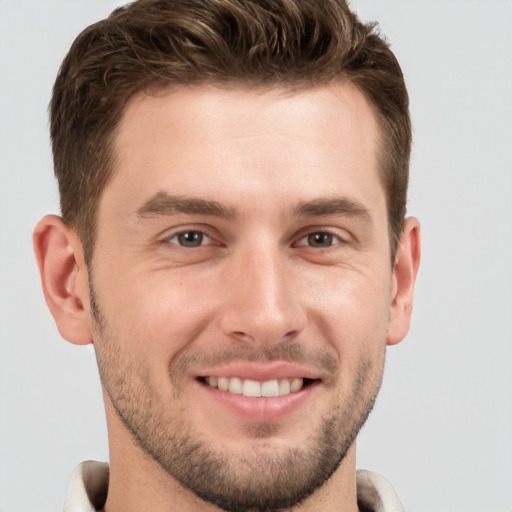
240,335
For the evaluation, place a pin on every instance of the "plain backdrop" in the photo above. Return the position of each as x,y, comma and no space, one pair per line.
442,427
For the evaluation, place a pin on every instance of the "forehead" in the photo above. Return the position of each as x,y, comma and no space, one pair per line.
226,144
195,111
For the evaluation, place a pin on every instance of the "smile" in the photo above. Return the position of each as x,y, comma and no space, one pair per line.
267,392
255,389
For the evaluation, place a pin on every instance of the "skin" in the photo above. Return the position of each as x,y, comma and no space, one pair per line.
258,292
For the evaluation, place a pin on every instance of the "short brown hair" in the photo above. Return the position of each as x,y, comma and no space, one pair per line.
294,44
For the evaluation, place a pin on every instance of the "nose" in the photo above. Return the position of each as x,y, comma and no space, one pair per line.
262,305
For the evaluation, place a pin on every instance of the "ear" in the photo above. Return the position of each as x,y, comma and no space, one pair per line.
405,269
64,278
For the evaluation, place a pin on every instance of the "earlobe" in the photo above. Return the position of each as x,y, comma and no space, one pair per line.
64,278
405,270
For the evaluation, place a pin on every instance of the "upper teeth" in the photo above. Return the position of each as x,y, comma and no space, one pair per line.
254,388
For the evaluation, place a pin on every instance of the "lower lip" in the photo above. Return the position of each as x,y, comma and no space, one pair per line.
261,409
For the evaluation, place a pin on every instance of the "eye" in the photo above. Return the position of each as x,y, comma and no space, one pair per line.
189,239
319,240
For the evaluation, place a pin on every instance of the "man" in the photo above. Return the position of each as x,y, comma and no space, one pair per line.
233,180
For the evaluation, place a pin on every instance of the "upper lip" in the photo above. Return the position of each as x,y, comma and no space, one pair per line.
261,371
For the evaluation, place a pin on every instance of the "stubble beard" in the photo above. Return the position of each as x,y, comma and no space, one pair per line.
263,480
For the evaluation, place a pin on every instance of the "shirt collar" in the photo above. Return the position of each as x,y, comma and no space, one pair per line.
89,486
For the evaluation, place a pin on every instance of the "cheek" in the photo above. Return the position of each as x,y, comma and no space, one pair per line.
351,313
147,312
352,303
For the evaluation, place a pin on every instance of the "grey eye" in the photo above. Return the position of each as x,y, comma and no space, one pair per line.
319,240
190,239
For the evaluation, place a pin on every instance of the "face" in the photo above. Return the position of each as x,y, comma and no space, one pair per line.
241,286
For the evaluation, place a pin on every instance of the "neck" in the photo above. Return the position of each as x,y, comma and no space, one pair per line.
137,483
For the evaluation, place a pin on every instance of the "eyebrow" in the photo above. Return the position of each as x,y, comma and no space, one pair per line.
164,204
334,206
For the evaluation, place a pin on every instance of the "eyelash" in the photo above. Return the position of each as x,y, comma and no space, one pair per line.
202,235
333,238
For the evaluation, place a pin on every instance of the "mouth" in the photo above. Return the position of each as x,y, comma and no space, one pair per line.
260,392
257,389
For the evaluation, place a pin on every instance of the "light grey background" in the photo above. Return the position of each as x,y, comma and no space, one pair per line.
442,427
